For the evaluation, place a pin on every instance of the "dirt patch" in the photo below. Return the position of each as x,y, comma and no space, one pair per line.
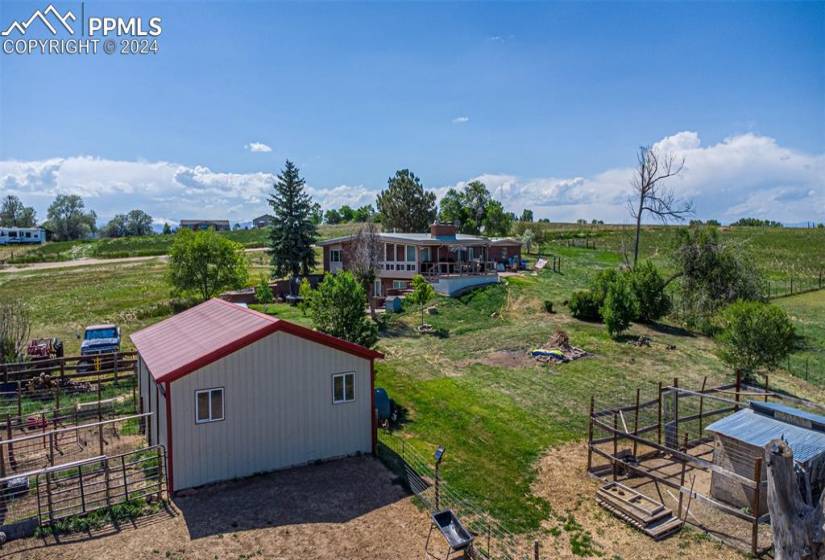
342,509
508,359
562,481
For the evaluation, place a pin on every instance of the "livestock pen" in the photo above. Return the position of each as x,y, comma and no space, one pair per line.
658,444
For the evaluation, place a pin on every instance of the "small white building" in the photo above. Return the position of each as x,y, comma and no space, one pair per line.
22,236
236,392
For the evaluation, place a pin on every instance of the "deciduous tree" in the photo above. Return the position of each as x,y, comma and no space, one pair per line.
68,218
366,257
651,195
422,293
15,327
14,214
205,263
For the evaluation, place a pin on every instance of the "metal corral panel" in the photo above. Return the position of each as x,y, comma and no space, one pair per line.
758,430
278,411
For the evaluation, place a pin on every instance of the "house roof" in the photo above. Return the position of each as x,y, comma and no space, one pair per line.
418,239
214,329
505,241
264,217
189,222
758,429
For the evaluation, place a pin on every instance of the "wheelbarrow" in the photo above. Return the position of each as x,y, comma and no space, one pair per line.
458,538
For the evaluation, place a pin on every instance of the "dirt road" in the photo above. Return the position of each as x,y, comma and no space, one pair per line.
91,261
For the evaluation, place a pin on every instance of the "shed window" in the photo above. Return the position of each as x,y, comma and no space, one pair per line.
208,405
343,388
335,255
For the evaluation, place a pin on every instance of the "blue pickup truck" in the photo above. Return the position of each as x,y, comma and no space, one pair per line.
99,339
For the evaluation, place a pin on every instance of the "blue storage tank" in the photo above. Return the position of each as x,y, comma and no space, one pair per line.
382,404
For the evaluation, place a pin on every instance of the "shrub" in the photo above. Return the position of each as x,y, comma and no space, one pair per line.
620,306
263,293
649,289
548,306
601,284
422,292
585,306
754,335
338,306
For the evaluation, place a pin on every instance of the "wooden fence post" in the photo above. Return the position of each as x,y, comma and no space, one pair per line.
536,549
2,461
615,444
100,437
702,402
738,388
590,435
49,497
757,478
682,477
659,417
125,479
636,422
160,474
51,448
82,492
676,410
107,480
766,387
19,401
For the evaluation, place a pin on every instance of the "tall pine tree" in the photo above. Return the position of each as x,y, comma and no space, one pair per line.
293,231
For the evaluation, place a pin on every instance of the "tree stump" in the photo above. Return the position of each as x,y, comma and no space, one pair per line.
798,532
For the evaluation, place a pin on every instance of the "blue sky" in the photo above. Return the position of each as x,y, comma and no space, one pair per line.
547,102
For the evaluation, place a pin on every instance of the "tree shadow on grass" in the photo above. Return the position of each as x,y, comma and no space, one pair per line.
674,330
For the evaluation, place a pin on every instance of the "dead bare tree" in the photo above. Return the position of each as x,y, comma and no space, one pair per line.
650,195
365,259
15,327
797,526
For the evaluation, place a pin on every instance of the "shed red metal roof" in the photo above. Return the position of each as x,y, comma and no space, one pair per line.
216,328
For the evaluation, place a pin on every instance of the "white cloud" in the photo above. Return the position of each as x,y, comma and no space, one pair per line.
257,147
461,120
743,175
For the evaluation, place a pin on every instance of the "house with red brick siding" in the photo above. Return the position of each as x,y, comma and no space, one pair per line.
452,261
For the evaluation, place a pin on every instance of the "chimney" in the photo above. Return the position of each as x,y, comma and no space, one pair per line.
443,230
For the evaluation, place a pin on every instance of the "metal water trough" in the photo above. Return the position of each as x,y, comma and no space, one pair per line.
457,537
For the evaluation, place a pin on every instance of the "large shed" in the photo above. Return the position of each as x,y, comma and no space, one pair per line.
235,392
741,438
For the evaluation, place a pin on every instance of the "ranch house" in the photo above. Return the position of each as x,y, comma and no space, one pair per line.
235,392
451,261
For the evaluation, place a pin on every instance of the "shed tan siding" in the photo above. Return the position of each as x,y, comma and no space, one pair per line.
278,411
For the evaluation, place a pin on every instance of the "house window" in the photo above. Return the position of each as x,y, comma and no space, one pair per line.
343,388
389,251
335,255
410,253
425,254
208,405
399,284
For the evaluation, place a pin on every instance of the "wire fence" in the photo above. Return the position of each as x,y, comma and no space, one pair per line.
492,540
